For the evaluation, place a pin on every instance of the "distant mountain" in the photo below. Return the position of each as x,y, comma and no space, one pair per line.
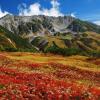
44,31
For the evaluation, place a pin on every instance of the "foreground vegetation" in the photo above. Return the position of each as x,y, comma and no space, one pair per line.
28,76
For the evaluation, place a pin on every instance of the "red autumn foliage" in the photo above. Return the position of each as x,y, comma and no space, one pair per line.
35,86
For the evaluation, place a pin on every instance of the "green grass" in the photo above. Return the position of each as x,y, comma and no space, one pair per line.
68,37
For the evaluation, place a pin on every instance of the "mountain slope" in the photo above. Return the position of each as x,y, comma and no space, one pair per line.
35,24
9,40
82,26
44,31
84,41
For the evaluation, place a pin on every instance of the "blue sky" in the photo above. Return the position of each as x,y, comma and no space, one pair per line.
83,9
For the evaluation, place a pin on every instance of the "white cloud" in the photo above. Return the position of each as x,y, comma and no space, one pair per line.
36,9
73,15
33,9
3,13
97,22
55,4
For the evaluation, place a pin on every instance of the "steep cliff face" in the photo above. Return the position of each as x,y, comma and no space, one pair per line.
36,24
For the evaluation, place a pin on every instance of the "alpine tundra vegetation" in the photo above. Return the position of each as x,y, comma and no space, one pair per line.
46,54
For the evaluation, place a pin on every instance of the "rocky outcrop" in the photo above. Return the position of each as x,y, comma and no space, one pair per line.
35,24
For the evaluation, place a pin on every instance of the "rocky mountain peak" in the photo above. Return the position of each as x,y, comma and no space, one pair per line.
31,24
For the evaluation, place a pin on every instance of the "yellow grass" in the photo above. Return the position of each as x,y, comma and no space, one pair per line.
74,61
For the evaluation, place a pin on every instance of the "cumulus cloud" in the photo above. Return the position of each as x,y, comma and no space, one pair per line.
36,9
3,13
33,9
97,22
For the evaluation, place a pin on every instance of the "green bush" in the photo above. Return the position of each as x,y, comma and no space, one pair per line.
71,51
94,53
62,51
26,50
10,49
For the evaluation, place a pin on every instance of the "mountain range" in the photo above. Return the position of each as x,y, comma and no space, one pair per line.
40,33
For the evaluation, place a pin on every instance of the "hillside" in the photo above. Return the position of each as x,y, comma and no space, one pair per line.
48,33
11,42
83,26
48,77
85,41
